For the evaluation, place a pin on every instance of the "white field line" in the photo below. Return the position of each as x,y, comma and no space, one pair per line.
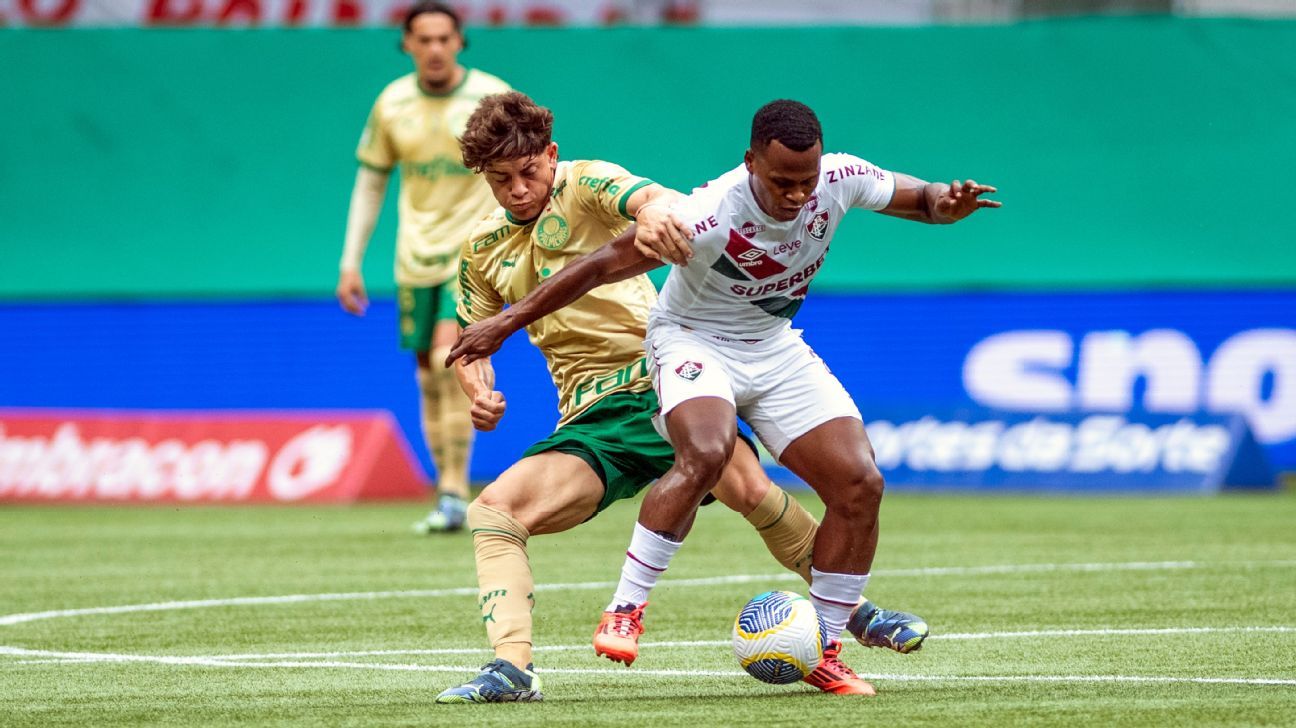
12,619
726,643
622,672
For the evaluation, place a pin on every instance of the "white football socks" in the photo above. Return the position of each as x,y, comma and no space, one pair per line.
646,559
834,596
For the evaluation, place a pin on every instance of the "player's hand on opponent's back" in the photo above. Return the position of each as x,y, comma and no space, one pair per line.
351,292
962,199
660,235
486,411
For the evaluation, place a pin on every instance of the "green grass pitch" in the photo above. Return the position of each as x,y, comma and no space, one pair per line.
1044,611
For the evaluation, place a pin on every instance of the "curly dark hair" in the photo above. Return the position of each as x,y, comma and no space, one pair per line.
791,122
505,126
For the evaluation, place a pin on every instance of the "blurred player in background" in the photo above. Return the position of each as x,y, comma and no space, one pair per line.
414,124
721,345
605,447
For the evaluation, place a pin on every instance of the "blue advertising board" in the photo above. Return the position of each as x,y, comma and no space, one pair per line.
987,450
1162,353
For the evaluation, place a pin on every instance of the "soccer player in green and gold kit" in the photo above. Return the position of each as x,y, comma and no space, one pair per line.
414,124
605,447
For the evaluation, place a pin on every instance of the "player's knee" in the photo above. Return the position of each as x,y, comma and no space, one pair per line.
702,462
860,493
488,499
488,514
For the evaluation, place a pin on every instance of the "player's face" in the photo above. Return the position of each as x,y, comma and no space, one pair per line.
783,179
522,185
434,44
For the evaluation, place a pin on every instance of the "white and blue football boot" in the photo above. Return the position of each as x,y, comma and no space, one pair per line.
499,682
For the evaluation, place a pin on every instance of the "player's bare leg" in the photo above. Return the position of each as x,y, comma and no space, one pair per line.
786,527
836,459
703,431
545,493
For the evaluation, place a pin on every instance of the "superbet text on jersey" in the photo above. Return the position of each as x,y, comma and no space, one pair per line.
750,273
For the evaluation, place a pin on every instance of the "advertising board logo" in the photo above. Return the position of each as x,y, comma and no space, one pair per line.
309,462
1252,372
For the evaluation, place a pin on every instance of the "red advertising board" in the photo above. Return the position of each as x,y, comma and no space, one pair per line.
208,457
326,13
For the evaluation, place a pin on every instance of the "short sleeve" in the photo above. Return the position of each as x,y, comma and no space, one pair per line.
478,300
700,211
856,183
606,188
375,149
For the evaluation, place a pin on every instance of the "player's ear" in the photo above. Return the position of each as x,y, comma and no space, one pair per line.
552,152
463,41
748,157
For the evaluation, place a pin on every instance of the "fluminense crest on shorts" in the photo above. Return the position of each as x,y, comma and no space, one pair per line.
689,370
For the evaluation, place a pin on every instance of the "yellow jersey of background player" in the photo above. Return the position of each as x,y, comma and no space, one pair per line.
414,125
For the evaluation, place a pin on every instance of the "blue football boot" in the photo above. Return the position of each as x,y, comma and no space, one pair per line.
877,627
498,682
450,514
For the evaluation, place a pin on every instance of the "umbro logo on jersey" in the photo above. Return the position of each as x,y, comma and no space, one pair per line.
689,370
818,226
749,259
749,228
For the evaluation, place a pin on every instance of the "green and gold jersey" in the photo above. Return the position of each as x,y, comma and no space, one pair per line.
594,347
440,199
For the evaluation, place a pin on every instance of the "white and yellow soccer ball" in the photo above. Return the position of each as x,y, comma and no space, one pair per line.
776,637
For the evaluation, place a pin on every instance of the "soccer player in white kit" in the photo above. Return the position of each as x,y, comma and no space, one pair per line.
720,344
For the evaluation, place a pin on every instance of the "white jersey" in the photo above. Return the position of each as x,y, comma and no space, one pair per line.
749,273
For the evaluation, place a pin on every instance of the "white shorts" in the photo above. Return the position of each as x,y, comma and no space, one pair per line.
778,385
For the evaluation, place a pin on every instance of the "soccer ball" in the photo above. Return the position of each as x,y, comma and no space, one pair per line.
776,637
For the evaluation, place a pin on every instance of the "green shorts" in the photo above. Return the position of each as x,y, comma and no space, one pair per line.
617,438
421,309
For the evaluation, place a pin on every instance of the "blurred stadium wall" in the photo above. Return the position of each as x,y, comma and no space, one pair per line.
172,204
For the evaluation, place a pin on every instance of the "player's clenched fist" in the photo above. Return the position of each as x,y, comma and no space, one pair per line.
486,410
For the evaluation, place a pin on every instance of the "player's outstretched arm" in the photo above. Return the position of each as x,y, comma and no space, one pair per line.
935,202
616,261
478,382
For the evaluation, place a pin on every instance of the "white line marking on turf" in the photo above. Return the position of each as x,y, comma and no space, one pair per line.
725,643
206,662
12,619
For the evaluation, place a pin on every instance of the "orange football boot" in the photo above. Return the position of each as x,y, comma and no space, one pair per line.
617,636
834,676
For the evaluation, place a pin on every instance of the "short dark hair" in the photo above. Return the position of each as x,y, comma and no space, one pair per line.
791,122
427,6
505,126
